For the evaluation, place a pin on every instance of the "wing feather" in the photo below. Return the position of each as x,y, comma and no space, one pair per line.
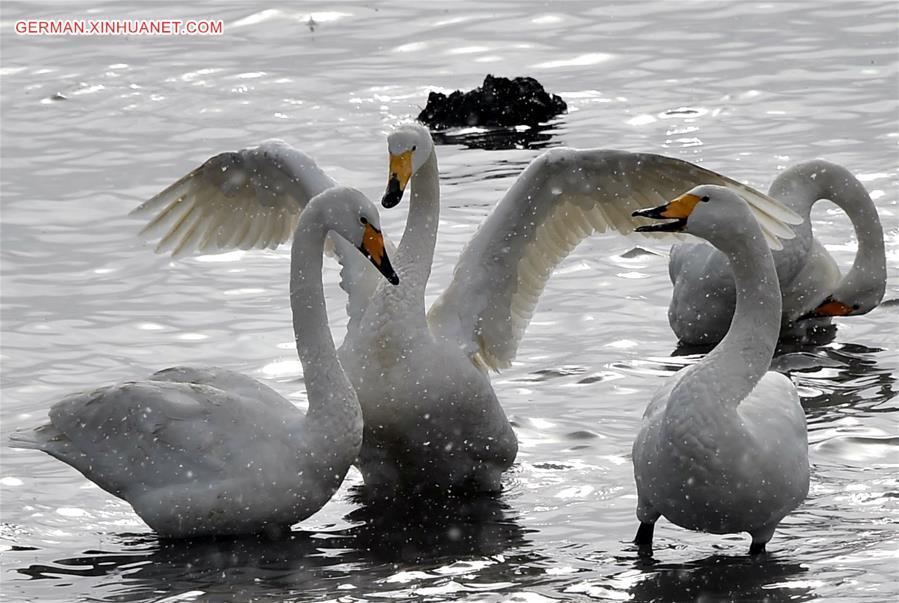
249,199
176,233
562,197
189,238
240,232
262,185
123,437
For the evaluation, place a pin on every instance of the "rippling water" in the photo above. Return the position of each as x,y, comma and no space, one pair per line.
92,126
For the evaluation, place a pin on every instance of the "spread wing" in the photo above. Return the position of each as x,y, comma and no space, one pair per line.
562,197
244,200
249,199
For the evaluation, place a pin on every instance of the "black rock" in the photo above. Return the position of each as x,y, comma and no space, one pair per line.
499,102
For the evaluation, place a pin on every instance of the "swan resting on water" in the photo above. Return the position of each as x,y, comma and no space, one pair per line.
432,418
723,446
208,451
704,296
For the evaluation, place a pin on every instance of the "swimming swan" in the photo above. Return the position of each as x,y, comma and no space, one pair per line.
703,299
723,446
432,419
202,451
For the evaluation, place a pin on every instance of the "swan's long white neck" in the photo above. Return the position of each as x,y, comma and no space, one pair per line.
415,253
730,371
801,186
330,393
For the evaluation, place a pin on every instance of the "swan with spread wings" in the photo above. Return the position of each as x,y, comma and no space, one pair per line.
432,419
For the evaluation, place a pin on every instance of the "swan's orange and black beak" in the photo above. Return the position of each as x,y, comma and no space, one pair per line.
372,247
678,210
831,307
397,178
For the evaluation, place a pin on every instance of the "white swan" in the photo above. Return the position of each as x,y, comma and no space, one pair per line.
723,447
210,451
703,299
432,419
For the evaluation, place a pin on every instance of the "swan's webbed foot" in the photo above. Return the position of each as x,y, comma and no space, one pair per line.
757,548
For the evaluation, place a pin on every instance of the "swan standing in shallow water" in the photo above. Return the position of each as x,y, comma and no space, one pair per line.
723,447
199,451
432,419
703,299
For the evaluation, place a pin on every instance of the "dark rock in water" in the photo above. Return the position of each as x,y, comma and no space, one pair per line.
499,102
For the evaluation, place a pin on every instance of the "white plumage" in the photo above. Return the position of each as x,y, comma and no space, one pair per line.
432,418
703,299
723,446
210,451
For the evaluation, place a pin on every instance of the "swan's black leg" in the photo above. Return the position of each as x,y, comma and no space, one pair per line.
757,548
644,534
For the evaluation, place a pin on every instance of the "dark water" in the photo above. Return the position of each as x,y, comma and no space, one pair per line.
744,88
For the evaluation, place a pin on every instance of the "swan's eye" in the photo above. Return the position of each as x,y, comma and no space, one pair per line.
705,198
413,148
363,220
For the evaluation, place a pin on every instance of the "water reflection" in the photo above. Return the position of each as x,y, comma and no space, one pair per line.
422,529
832,375
248,565
837,376
720,578
496,139
389,541
817,336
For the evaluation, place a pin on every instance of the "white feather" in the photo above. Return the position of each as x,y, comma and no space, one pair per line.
562,196
249,199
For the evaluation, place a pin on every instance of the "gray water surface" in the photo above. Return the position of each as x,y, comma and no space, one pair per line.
92,126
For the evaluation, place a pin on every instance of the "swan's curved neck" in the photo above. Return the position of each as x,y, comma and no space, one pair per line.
802,186
327,387
415,253
730,371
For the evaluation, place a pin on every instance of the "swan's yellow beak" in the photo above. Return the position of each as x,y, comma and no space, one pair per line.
397,178
372,247
831,307
678,209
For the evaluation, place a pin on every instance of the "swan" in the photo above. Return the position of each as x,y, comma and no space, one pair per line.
209,451
723,446
432,419
703,299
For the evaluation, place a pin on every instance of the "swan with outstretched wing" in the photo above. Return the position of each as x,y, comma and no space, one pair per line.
432,419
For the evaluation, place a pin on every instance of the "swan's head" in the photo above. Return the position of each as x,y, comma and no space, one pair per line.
854,296
410,146
714,213
349,214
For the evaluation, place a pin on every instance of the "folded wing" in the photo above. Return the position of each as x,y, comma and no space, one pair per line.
136,436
